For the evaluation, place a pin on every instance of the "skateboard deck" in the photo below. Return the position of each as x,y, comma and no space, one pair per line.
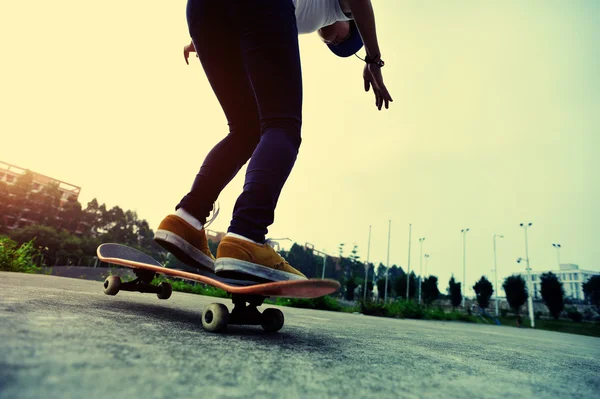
243,292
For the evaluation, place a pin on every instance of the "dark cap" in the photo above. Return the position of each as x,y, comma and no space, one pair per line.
351,45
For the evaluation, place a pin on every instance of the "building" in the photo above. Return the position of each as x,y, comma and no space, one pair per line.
9,174
571,277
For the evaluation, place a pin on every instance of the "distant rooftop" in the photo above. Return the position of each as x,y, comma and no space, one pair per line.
568,266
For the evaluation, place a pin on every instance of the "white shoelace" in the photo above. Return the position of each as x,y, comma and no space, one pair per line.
215,213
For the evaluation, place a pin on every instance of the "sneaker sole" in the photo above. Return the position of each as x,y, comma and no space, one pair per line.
237,266
183,250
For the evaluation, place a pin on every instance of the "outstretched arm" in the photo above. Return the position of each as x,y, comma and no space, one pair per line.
362,12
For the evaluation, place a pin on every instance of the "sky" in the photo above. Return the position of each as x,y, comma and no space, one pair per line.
494,123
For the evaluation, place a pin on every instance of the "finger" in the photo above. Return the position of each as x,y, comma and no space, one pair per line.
386,94
185,56
367,85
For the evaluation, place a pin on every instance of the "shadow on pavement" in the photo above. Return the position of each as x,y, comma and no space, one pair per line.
191,320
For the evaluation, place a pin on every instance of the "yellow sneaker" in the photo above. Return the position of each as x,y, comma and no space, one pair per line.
185,242
238,257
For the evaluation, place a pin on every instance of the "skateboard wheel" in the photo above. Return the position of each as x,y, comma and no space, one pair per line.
111,285
215,317
272,320
165,290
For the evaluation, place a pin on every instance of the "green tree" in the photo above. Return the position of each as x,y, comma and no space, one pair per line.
369,289
516,292
400,285
381,288
553,294
483,290
430,289
4,206
304,260
71,215
350,285
380,271
591,289
47,205
454,290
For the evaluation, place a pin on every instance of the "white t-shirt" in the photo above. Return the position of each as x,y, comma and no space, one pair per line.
312,15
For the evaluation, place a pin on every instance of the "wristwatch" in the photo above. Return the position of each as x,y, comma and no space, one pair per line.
379,62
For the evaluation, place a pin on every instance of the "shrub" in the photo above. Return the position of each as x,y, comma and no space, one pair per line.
373,308
322,303
538,315
435,314
17,259
574,315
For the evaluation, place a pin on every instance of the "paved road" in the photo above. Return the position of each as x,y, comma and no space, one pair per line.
63,338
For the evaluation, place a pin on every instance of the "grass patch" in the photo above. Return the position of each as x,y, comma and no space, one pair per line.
322,303
403,309
591,329
199,289
15,258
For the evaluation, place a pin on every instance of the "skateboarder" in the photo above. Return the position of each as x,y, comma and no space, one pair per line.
249,52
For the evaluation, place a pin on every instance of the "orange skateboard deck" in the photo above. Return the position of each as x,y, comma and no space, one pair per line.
215,317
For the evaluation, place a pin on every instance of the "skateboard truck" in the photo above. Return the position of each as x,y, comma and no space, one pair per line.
143,283
216,316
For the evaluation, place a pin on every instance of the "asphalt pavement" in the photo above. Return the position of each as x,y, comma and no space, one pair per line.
63,338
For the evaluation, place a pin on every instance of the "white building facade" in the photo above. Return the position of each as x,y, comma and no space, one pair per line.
571,277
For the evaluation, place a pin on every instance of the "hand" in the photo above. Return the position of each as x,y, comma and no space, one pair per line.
373,77
187,50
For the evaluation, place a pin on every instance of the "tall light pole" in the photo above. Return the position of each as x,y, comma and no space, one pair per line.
464,233
530,296
311,247
408,269
367,266
426,259
387,268
496,272
420,265
557,246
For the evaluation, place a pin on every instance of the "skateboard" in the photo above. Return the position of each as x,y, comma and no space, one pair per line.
247,296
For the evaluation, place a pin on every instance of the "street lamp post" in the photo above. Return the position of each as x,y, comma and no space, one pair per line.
496,272
464,233
530,296
420,265
367,266
557,246
408,268
388,260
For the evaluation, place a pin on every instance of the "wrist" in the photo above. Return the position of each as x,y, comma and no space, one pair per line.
369,59
372,58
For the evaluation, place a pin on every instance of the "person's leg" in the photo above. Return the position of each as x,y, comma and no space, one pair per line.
217,44
269,49
216,41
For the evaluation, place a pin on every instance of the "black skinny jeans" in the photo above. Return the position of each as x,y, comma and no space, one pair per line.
249,52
